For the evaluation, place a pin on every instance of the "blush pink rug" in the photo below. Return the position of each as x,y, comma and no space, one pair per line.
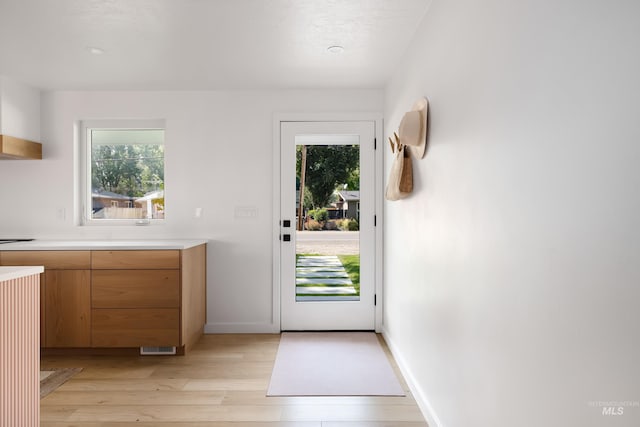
332,364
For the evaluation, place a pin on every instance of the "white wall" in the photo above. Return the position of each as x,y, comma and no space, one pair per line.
19,110
218,157
512,275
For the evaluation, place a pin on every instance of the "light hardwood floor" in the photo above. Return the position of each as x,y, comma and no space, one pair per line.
221,382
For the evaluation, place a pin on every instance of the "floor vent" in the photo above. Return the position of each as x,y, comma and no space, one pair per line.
150,351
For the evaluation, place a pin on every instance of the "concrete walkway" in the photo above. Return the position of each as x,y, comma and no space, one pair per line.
323,278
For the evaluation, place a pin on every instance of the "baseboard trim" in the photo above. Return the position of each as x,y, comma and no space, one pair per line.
241,328
417,391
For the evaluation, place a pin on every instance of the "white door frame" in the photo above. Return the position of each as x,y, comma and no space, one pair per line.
379,201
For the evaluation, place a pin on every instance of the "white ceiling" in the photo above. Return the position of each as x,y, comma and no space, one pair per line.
204,44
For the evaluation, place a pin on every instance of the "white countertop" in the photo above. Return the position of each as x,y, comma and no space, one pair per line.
10,273
96,245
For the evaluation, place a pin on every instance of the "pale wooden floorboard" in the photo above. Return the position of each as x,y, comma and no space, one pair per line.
142,398
222,382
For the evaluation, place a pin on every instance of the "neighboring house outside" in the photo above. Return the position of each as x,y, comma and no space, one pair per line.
152,205
110,205
106,203
349,203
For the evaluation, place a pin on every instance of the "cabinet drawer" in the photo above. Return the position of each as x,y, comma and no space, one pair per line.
135,288
68,260
166,259
135,327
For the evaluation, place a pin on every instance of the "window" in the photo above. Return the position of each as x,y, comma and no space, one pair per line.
123,172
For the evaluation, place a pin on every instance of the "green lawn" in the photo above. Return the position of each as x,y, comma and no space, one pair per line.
352,265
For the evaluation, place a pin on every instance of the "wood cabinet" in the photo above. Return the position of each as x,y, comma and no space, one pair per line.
128,327
67,299
65,290
120,298
58,260
136,298
117,260
135,289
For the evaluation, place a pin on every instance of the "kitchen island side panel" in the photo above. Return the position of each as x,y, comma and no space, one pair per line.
20,351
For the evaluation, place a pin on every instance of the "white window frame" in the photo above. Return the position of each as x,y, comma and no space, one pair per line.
84,193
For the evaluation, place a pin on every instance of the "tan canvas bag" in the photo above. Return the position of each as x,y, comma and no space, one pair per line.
400,183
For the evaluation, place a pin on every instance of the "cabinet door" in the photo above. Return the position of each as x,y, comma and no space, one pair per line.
67,300
130,327
135,289
137,260
63,260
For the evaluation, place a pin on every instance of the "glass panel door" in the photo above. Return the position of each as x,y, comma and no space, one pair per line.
327,251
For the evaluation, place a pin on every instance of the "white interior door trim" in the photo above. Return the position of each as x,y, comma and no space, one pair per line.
379,202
